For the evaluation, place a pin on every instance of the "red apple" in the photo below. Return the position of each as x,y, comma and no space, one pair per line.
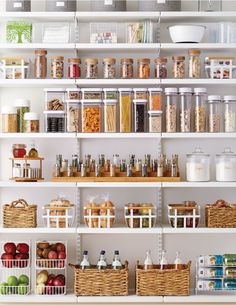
50,282
58,282
22,248
7,260
52,255
10,248
61,255
62,278
60,247
21,260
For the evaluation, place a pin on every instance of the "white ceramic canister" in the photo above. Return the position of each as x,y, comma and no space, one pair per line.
198,166
226,166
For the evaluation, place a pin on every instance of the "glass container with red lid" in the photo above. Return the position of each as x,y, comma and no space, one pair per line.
19,150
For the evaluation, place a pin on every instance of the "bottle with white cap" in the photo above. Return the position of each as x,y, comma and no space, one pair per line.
185,109
22,106
9,119
230,113
215,113
171,109
200,109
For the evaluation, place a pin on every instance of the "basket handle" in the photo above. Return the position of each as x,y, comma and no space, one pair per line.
19,202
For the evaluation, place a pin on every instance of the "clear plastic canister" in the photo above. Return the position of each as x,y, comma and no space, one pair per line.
91,68
54,121
109,68
110,115
215,117
171,109
140,93
194,66
198,166
9,119
200,110
155,99
91,93
22,106
126,68
73,114
54,99
185,109
125,101
178,70
226,166
73,93
57,67
230,113
91,115
155,121
161,68
144,68
140,115
110,94
31,122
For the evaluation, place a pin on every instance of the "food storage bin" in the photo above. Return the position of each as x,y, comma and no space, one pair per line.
178,70
141,32
99,216
54,121
91,68
40,64
103,32
126,68
31,122
54,99
110,115
140,111
198,166
74,70
57,67
226,166
155,121
73,94
215,113
18,5
144,71
91,115
110,94
140,93
194,66
159,5
210,5
171,109
109,68
184,215
9,119
220,67
161,67
92,93
14,68
230,113
22,106
61,6
140,215
155,99
125,102
108,5
73,111
200,109
185,109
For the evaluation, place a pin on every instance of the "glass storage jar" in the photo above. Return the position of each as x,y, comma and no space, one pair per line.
155,121
144,68
126,68
226,166
74,70
198,166
91,115
155,99
194,65
91,93
140,93
9,119
161,68
200,109
22,106
109,68
214,103
54,121
125,102
31,122
54,99
91,68
19,150
110,94
40,64
57,67
230,113
73,94
185,109
140,115
73,114
110,115
178,70
171,109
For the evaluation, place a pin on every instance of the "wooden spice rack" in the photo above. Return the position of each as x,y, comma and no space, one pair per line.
28,159
116,179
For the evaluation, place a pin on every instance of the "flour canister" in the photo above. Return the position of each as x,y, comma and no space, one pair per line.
198,166
226,166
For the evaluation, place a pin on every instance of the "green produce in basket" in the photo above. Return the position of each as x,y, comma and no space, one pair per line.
22,289
3,288
12,281
19,32
23,279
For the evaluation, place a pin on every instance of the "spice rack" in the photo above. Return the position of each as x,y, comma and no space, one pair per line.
27,174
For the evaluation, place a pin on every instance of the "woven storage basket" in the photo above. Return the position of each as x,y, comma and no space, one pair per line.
19,214
220,217
157,282
108,282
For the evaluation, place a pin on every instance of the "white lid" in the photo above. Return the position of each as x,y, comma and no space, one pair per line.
109,89
72,101
73,89
110,101
214,98
54,112
91,101
54,90
140,89
199,90
229,98
28,116
141,101
9,110
185,90
155,112
198,152
20,102
171,90
155,89
91,89
125,89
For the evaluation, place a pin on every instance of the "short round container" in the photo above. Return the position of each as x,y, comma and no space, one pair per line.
108,5
198,166
91,68
74,70
178,70
19,150
55,121
230,113
194,65
125,102
57,67
91,93
110,115
161,68
155,99
155,121
73,93
110,94
91,115
164,5
140,115
126,68
144,71
171,109
61,6
200,109
226,166
109,68
215,113
9,119
40,64
140,93
73,114
22,106
31,122
185,109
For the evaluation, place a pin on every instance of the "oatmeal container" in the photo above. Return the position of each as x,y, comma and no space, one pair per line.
200,109
215,115
230,113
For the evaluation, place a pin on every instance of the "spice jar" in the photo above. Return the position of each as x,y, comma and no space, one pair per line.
200,109
57,67
73,114
144,68
185,109
155,121
109,68
54,121
226,166
40,64
74,70
110,115
9,119
194,67
140,94
19,150
91,68
171,109
178,66
230,113
161,68
140,115
91,93
125,101
126,68
154,99
22,107
31,122
110,94
91,115
214,103
198,166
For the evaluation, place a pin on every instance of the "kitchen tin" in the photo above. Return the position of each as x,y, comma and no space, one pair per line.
159,5
108,5
18,5
61,5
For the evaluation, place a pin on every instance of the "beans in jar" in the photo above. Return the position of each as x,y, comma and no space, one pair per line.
91,68
109,68
144,68
160,68
57,67
126,68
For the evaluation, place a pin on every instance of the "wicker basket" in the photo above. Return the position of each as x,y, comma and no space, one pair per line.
19,214
168,282
220,217
94,282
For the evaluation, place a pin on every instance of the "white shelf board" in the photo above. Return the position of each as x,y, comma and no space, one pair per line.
202,81
116,16
139,47
36,82
32,298
196,16
198,184
130,299
118,230
118,184
202,299
119,135
41,135
203,46
170,230
45,184
42,16
196,135
39,230
117,82
31,46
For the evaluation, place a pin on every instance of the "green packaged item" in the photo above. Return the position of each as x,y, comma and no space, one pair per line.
19,32
230,259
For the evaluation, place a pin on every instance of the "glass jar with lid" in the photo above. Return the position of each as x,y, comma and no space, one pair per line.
125,102
9,119
200,110
155,99
185,109
110,94
126,68
140,93
194,67
178,70
91,93
19,150
144,71
230,113
226,166
91,115
140,115
91,68
110,115
57,67
74,70
215,117
198,166
155,121
161,67
109,68
31,122
40,64
171,109
73,115
22,106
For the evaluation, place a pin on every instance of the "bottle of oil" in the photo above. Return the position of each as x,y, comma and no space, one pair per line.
33,153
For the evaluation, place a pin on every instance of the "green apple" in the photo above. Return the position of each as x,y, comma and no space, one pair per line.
23,279
22,288
3,288
12,281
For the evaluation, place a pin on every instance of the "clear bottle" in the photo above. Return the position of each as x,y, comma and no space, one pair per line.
194,67
230,113
163,261
33,152
40,64
185,109
91,68
144,68
178,66
161,68
85,262
102,264
148,264
57,67
215,117
178,261
109,68
200,110
116,263
171,109
126,68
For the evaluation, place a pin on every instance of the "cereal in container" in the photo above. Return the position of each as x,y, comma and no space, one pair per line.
9,119
155,121
215,117
194,68
91,115
73,115
125,101
200,110
185,109
171,109
57,67
230,113
155,99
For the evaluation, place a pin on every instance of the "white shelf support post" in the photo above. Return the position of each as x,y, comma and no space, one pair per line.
78,207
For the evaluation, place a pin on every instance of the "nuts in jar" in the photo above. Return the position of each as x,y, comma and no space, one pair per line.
91,68
109,68
160,68
31,120
144,68
126,68
57,67
178,66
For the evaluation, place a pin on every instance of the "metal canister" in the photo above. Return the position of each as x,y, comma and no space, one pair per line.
83,170
148,160
123,165
59,160
129,170
74,162
97,170
160,172
107,165
57,170
138,165
101,159
69,171
144,170
112,170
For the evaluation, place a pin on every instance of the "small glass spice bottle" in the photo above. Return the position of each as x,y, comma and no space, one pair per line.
178,66
91,68
109,68
126,68
194,67
74,70
40,64
160,68
57,67
144,68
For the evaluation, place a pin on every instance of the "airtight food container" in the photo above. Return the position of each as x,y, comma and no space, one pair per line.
108,5
60,5
198,166
226,166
